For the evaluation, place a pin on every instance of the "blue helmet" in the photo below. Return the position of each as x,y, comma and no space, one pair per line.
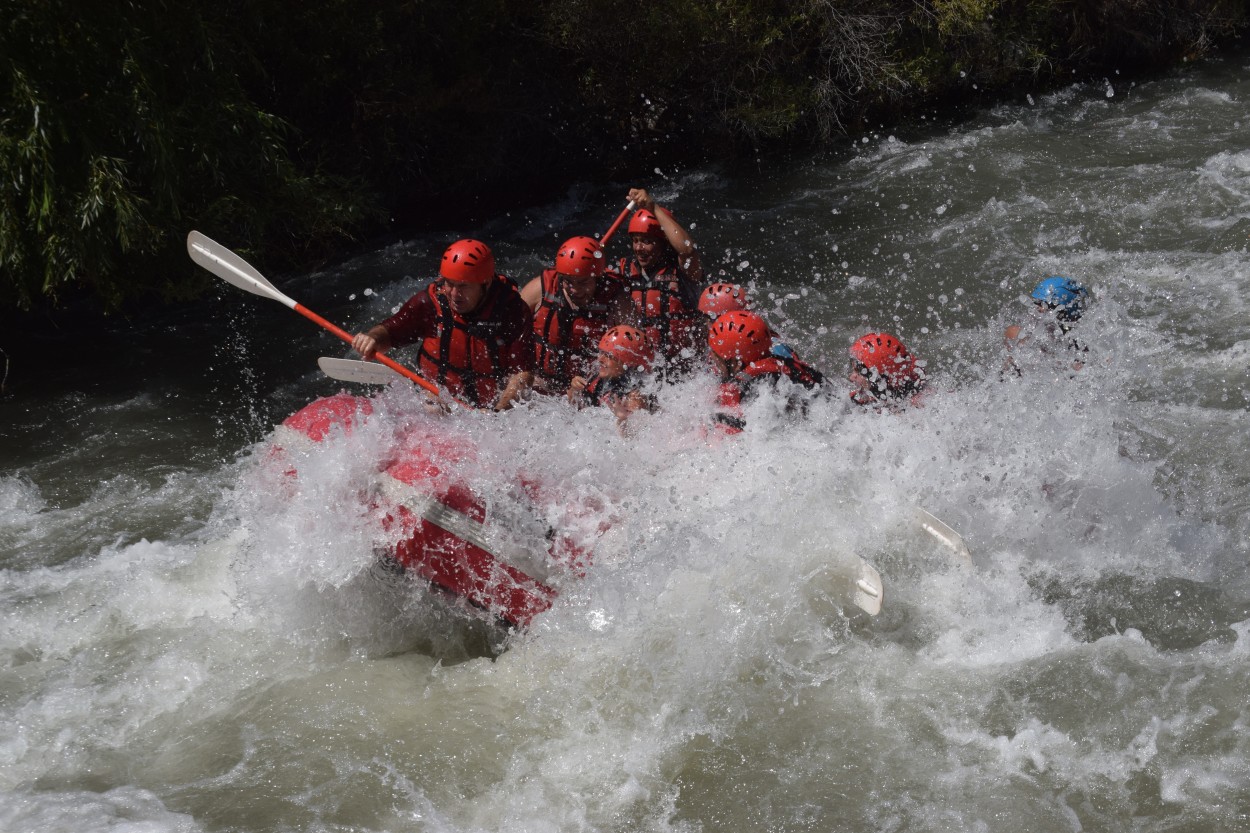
1066,296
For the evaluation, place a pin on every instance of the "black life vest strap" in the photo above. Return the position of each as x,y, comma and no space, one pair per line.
448,325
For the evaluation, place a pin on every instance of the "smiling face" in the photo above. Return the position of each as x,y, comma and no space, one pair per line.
648,250
580,289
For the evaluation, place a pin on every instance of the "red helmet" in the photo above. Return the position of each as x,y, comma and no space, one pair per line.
885,356
468,261
720,298
628,345
644,222
740,334
580,257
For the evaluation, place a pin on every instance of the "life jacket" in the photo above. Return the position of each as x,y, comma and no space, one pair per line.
566,339
788,365
461,354
892,398
601,391
748,381
1065,331
667,304
728,416
1051,339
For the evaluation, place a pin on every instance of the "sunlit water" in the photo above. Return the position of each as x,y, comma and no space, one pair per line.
192,642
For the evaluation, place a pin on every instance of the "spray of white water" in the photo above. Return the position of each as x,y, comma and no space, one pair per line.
256,670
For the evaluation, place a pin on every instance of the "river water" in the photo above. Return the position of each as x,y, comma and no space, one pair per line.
187,647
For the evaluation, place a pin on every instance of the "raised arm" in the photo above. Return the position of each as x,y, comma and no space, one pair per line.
678,238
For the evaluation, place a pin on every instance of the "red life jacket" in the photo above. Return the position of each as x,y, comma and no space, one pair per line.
566,339
462,354
768,369
892,397
667,304
601,391
728,416
796,370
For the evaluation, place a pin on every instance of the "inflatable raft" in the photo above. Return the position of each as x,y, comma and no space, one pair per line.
487,548
435,527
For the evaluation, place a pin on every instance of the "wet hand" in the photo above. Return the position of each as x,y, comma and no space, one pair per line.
365,345
641,199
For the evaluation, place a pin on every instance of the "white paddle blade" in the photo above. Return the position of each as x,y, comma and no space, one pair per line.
349,370
868,591
231,268
843,582
944,535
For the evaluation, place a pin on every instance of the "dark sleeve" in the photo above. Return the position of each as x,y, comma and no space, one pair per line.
413,322
517,351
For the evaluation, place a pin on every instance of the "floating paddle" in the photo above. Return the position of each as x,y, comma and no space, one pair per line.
607,235
945,536
868,589
352,370
233,269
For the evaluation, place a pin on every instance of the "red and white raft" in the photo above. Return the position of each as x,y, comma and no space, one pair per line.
436,526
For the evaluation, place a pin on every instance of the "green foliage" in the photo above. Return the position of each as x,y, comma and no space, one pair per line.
288,128
955,17
124,124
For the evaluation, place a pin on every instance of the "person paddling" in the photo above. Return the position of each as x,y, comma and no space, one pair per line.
625,358
740,343
1059,303
884,372
664,276
475,331
574,304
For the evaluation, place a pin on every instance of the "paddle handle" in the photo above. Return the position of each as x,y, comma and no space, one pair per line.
389,362
607,235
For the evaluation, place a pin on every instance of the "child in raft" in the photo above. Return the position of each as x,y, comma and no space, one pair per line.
625,361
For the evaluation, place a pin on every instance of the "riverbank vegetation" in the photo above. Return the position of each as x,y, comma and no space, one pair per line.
294,128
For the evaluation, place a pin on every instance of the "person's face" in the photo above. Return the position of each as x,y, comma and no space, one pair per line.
647,249
463,298
580,289
610,366
860,376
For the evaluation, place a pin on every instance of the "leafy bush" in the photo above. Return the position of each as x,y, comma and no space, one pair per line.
125,124
290,128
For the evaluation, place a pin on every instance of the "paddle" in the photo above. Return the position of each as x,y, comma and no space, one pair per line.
868,589
233,269
352,370
945,536
607,235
